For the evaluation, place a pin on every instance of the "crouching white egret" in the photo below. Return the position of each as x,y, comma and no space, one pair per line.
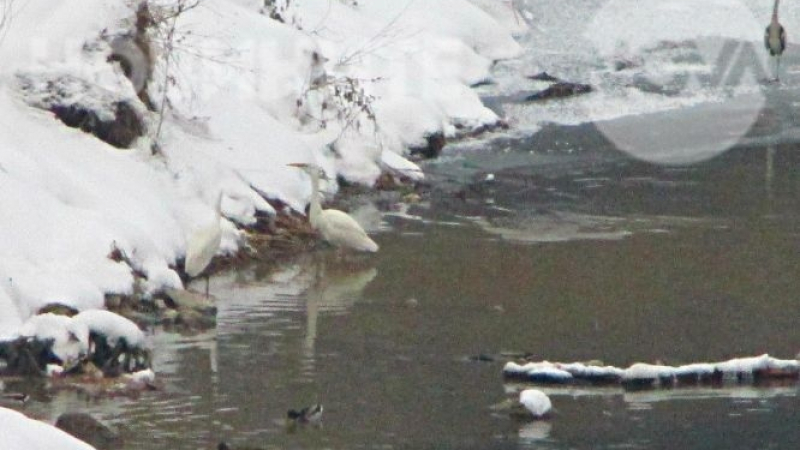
204,244
335,226
775,39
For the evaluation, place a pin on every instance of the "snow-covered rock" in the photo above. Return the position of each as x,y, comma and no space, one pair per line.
70,339
113,326
535,401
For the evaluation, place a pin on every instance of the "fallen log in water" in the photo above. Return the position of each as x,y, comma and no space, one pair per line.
762,369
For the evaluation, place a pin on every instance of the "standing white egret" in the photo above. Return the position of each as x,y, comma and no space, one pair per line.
775,39
204,244
335,226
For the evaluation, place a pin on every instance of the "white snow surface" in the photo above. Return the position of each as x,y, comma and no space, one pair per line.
112,326
19,432
643,371
70,338
247,96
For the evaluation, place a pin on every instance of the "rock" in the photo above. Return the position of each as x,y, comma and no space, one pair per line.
224,446
57,308
435,144
625,64
26,357
544,76
560,89
90,430
121,132
182,299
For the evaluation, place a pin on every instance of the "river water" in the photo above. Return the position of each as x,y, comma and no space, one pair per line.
547,240
566,256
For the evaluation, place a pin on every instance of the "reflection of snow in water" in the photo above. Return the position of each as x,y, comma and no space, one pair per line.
534,431
315,284
640,399
557,227
698,393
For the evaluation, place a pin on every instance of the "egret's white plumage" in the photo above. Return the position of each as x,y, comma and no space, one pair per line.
204,244
775,39
335,226
535,401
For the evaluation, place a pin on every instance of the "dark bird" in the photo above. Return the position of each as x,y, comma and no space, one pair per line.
310,414
775,40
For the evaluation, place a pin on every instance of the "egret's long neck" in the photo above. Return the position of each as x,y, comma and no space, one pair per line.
314,209
775,12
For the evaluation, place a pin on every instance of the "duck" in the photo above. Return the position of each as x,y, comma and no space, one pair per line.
308,415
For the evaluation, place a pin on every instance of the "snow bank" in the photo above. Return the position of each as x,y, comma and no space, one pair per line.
22,433
349,88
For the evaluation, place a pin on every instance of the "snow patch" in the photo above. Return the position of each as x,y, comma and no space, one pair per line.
23,433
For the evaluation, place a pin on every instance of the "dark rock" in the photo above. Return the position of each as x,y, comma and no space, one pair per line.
132,53
624,64
544,76
435,144
561,89
121,358
224,446
57,308
26,357
482,83
121,132
638,384
90,430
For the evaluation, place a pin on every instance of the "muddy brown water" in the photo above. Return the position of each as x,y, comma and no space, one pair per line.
587,256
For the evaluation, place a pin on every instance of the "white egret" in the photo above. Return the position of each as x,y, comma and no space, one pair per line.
775,39
535,401
335,226
204,244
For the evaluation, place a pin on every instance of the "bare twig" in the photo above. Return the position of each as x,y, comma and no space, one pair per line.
166,28
378,40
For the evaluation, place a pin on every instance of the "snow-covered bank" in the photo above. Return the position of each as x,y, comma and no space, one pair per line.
349,87
22,433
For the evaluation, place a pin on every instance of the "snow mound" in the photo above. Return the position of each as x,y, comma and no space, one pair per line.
535,401
113,326
70,338
23,433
